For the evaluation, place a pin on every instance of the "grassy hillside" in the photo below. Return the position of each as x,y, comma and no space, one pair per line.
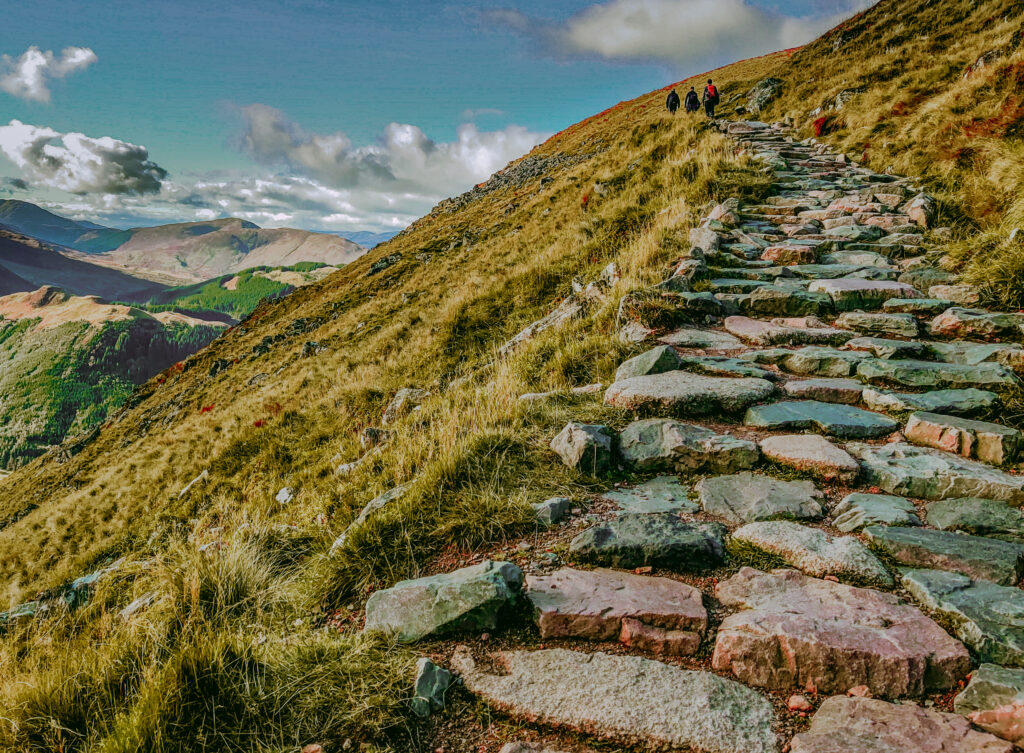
250,615
259,410
238,295
62,373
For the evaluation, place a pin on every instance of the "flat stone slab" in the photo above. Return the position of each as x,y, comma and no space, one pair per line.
881,347
667,444
987,617
725,366
857,510
793,631
981,440
835,419
983,517
655,614
935,375
769,333
978,557
625,699
901,325
776,301
466,599
706,339
954,402
813,552
847,391
749,497
994,701
811,453
918,306
825,362
661,494
966,323
867,725
924,473
849,294
682,393
658,540
971,353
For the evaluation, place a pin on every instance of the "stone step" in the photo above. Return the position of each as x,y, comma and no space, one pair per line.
834,419
797,632
628,700
977,557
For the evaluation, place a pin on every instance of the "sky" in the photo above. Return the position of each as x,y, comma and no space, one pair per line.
331,115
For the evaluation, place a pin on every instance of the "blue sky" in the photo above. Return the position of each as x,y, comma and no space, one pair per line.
330,115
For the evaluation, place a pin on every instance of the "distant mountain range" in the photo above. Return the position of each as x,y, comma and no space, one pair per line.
88,312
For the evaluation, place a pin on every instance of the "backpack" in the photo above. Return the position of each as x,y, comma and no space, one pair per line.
712,91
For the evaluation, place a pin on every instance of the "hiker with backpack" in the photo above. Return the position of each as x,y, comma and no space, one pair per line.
692,103
711,97
672,103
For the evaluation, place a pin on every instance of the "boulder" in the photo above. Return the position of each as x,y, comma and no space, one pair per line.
654,614
551,511
835,419
666,444
811,453
978,557
867,725
924,473
994,701
793,631
585,447
749,497
763,93
965,323
987,617
857,510
431,684
981,440
658,540
922,209
813,552
681,393
655,361
628,700
466,599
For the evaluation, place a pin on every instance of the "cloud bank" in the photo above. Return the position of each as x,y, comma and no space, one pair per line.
27,76
681,33
76,163
299,179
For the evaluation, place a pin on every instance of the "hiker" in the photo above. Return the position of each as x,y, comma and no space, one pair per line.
672,103
692,103
710,99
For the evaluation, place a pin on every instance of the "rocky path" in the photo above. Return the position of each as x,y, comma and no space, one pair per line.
829,417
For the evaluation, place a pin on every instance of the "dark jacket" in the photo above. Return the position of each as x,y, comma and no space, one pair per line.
672,103
692,102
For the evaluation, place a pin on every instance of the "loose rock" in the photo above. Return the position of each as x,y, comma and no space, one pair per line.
659,540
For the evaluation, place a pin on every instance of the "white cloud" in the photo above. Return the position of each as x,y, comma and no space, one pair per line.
403,159
679,32
27,76
76,163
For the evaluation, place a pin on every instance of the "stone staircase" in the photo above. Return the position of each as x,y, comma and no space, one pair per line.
828,418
